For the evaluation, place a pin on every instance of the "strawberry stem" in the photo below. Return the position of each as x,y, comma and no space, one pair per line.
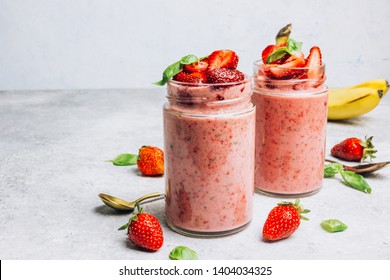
368,148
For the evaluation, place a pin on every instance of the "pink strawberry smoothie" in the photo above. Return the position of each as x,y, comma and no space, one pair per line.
209,135
291,119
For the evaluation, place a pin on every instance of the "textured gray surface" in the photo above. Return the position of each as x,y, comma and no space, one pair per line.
53,145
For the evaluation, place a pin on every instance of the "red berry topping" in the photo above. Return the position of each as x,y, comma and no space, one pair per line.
195,77
222,59
286,70
313,61
224,75
199,66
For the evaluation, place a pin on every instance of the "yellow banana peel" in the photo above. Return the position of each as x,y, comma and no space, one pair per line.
351,102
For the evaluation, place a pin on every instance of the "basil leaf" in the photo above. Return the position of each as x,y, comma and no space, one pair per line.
183,253
169,72
333,225
293,46
356,181
278,54
124,160
189,59
175,68
332,169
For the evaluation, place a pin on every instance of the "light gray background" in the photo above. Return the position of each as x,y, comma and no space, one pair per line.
83,44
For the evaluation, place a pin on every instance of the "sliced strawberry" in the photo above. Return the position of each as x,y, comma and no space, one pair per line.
224,75
199,66
313,62
289,69
222,59
266,52
270,49
194,78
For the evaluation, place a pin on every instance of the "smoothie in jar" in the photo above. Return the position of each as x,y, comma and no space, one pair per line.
291,116
209,136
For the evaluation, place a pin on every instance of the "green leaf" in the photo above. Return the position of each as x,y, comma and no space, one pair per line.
124,160
356,181
332,169
333,225
278,54
189,59
169,72
183,253
293,46
125,226
176,67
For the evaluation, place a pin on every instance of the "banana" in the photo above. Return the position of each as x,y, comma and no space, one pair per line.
351,102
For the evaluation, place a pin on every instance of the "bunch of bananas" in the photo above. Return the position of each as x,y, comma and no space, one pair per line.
351,102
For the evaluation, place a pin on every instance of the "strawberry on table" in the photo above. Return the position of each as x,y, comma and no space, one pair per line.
224,75
144,230
354,149
150,161
222,59
283,220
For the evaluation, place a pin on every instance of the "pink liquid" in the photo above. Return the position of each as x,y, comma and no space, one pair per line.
290,142
209,162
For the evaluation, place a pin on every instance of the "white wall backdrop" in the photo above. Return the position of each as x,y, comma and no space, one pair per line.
69,44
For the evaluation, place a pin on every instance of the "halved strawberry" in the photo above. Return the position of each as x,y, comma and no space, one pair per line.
222,59
313,62
224,75
270,49
199,66
289,69
194,78
267,51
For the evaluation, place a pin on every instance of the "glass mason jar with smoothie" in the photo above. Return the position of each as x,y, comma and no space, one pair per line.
209,138
291,115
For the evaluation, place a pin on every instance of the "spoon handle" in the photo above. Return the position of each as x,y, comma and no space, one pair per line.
150,197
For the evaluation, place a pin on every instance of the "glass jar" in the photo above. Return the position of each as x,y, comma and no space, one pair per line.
291,117
209,137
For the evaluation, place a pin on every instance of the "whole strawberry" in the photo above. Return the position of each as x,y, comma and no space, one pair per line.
144,230
354,149
150,161
283,220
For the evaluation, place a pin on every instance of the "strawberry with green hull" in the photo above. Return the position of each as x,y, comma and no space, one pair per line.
144,230
283,220
150,161
354,149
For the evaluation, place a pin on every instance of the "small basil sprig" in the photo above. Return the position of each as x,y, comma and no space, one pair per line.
124,160
350,178
176,67
291,46
183,253
333,225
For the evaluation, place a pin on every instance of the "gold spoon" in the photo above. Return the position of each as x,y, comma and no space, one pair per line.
122,205
363,168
